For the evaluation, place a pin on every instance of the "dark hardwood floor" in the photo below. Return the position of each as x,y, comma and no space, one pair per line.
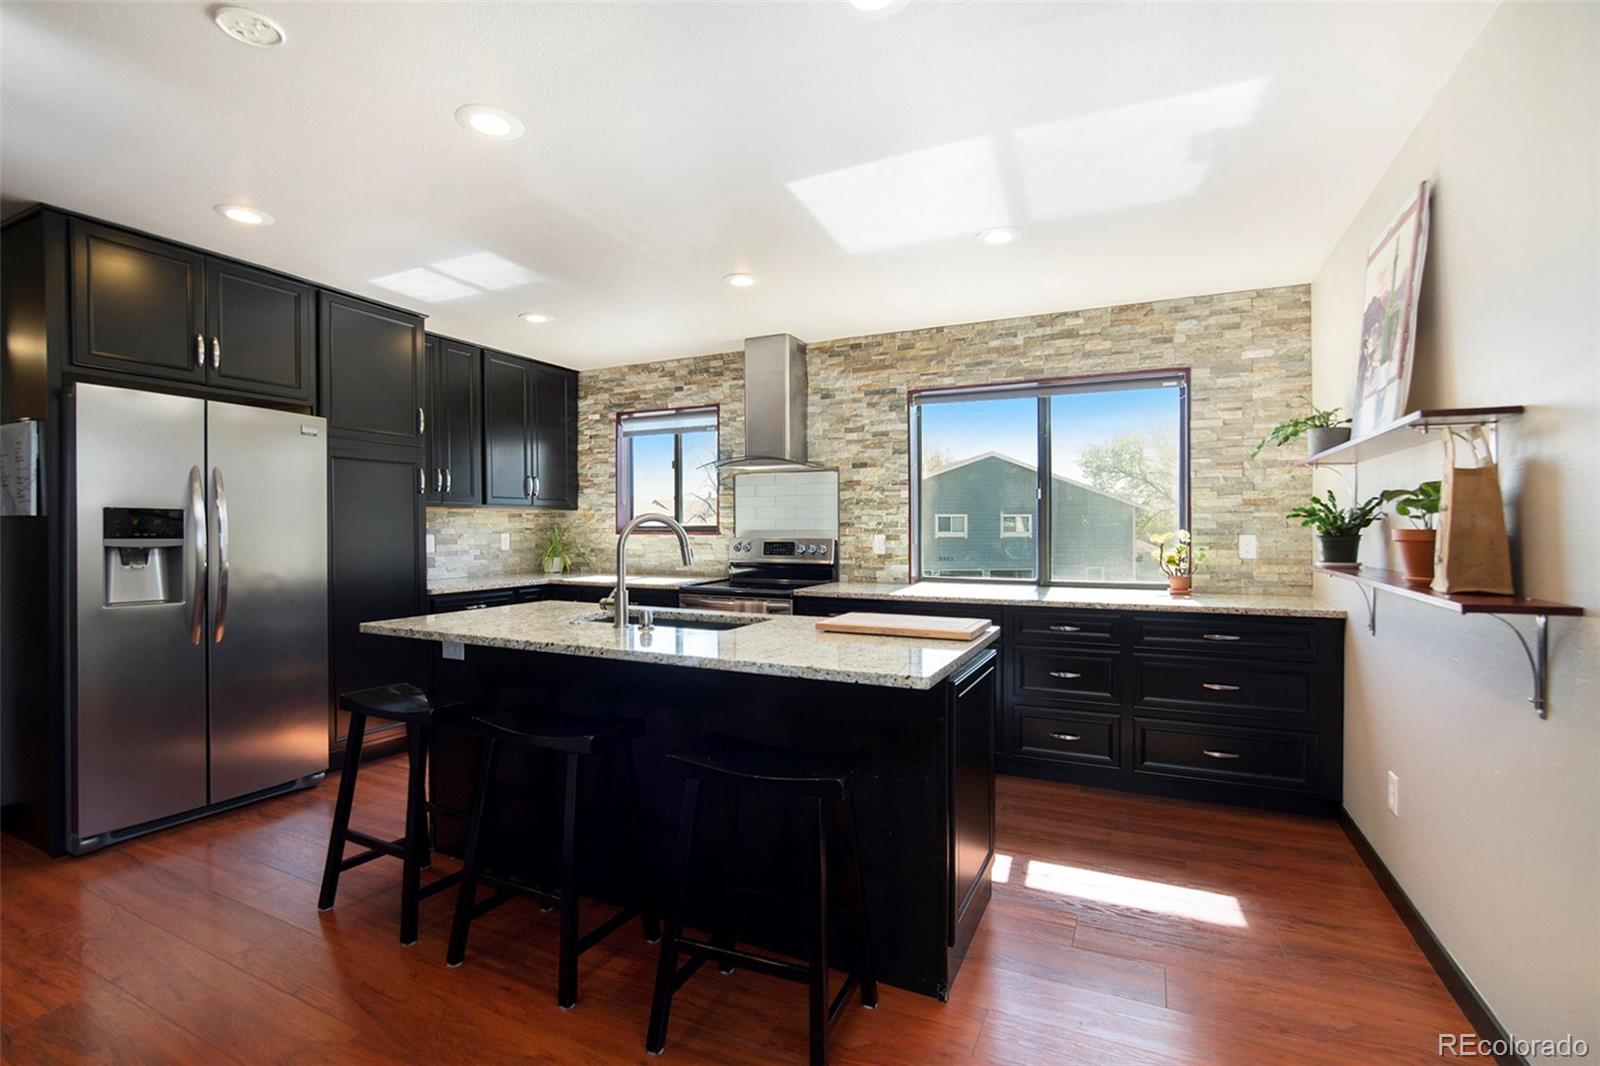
1123,929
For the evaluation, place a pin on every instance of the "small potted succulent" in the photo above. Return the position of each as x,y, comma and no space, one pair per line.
1322,429
1338,528
1177,556
1421,505
559,552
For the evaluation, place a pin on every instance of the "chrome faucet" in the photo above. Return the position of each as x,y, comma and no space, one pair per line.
620,607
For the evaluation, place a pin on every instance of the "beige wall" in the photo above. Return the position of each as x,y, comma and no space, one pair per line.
1498,837
1249,354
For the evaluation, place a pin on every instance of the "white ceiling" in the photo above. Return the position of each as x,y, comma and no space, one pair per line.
1142,151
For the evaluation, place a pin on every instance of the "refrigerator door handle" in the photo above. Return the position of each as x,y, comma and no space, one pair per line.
221,497
197,518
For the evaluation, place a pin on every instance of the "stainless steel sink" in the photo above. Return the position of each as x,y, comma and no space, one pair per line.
669,622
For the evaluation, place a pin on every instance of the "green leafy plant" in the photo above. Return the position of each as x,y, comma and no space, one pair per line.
560,546
1285,432
1331,520
1420,504
1176,554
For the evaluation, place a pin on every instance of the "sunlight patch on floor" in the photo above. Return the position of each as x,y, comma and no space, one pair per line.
1215,908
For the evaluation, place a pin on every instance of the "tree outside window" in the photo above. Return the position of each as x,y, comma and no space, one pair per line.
666,464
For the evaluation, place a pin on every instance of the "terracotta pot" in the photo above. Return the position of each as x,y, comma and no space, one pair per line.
1180,585
1416,554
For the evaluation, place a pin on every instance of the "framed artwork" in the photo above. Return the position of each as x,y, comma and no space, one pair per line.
1389,321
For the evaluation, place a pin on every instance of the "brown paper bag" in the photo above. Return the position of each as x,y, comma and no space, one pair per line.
1472,552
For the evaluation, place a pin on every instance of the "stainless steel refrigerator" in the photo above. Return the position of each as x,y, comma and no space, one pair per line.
200,660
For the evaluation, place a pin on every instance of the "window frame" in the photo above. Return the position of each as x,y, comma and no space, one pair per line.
966,527
624,468
1042,389
1027,523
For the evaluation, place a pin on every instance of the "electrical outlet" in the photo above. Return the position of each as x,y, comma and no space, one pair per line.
880,544
429,545
1394,793
1247,545
505,542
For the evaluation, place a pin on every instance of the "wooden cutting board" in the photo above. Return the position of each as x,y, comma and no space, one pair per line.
935,627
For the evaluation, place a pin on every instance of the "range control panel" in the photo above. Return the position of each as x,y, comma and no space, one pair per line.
783,549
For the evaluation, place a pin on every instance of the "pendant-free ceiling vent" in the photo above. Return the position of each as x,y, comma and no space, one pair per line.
249,27
774,407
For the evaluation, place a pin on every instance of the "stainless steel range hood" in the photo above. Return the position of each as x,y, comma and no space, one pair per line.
774,407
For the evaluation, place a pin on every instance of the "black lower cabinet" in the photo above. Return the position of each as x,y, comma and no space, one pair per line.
376,570
1236,709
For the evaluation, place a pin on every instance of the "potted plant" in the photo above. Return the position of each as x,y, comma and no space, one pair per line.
1338,528
1323,429
1177,556
1421,505
559,552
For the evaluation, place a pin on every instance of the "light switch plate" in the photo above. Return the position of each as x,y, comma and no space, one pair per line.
505,542
453,649
880,544
429,541
1247,545
1394,793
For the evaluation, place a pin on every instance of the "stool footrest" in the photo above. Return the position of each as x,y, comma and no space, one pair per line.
606,928
510,888
395,847
701,951
849,986
438,886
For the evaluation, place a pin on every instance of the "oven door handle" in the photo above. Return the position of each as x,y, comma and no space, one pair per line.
739,604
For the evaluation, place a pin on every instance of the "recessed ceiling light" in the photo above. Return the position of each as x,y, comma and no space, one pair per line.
878,7
534,317
245,216
249,27
998,235
741,281
490,122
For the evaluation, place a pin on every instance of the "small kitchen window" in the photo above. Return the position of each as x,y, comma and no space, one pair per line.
1073,479
666,463
1016,525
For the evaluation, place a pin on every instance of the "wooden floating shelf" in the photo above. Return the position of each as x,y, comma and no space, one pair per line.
1459,602
1406,432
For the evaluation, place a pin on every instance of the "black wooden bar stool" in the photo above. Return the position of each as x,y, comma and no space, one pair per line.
828,780
407,704
576,739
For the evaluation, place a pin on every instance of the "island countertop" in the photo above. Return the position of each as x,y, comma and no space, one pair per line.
995,594
779,645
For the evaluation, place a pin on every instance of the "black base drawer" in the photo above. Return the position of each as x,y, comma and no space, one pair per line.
1220,753
1065,673
1037,625
469,601
1221,686
1239,636
1076,736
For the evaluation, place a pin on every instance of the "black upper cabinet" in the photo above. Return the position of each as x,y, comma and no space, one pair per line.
530,414
145,307
138,305
454,422
372,371
507,420
260,332
555,411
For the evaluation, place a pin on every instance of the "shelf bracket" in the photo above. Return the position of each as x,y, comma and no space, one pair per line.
1370,596
1538,656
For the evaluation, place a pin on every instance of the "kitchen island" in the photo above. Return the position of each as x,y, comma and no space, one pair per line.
923,710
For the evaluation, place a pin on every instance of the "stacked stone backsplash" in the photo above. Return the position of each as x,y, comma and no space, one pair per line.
1248,353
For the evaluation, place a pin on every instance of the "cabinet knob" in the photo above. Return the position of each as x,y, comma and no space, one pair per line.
527,485
447,480
216,354
1212,753
422,481
1220,636
1069,737
1066,629
1065,675
1215,687
422,420
199,350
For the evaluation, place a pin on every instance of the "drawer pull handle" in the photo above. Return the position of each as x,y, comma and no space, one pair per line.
1211,753
1220,636
1066,675
1065,736
1214,687
1066,629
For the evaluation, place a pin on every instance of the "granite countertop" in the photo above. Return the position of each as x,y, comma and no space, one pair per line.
1005,595
444,586
785,646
